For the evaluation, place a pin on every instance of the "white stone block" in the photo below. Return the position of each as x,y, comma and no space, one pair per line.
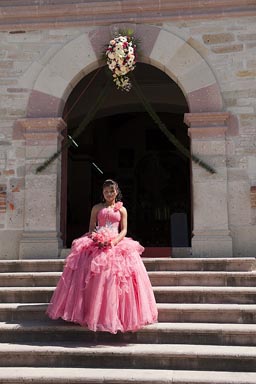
51,83
39,245
239,202
251,166
212,246
197,77
29,77
164,49
9,240
41,202
73,58
184,60
210,205
244,240
65,69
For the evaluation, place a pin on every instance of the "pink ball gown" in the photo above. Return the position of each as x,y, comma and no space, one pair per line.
105,289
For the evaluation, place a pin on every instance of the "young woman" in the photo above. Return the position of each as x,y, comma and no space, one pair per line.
104,285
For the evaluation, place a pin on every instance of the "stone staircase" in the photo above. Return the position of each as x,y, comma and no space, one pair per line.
206,332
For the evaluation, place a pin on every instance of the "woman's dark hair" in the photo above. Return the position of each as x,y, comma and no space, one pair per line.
109,183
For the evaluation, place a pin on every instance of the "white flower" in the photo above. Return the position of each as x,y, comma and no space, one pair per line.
117,72
111,55
123,39
124,70
112,65
121,60
130,61
119,51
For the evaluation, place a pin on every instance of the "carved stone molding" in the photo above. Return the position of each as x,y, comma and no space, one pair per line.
206,119
212,124
41,128
17,15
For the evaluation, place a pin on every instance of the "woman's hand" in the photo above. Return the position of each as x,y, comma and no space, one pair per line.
114,242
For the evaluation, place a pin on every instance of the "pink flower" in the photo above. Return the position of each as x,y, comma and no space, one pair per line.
118,206
103,236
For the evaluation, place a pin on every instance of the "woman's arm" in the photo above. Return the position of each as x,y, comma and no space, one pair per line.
123,226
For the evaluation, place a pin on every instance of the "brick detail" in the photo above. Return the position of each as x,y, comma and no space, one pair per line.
247,37
253,196
2,198
247,73
206,124
44,129
206,99
43,105
228,48
8,172
20,17
214,119
218,38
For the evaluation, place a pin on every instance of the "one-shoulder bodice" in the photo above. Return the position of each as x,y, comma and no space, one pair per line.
110,217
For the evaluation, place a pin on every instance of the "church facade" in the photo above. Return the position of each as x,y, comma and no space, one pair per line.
207,53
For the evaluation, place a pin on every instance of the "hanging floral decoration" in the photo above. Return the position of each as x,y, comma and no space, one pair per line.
120,54
121,59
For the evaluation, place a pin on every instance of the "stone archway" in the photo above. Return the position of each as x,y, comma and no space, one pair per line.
160,48
53,83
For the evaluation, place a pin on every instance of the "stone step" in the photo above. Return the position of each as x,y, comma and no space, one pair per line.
152,264
185,294
160,333
158,278
199,313
138,356
63,375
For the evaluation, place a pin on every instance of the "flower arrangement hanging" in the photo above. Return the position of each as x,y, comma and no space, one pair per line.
121,59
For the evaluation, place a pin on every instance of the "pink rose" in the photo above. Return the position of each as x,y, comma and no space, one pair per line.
118,206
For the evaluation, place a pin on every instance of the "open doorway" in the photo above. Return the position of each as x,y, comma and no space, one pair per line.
123,143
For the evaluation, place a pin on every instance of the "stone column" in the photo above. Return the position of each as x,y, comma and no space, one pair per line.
41,235
211,235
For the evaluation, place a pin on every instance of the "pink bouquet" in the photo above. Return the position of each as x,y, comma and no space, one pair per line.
103,236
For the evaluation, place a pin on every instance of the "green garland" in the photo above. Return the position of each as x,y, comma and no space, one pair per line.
150,110
165,130
89,117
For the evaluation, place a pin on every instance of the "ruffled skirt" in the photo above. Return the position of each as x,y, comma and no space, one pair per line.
104,289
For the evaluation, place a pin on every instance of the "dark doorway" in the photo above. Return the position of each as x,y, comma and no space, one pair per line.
124,143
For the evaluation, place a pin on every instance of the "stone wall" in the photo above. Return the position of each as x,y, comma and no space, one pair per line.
227,45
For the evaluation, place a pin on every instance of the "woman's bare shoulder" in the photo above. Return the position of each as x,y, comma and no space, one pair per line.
123,210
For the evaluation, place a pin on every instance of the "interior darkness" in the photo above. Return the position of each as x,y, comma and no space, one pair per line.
124,143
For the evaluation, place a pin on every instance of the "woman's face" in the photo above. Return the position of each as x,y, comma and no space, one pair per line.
109,194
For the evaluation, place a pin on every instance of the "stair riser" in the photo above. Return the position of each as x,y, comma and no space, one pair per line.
121,360
161,297
182,337
166,265
51,281
177,316
205,297
204,281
